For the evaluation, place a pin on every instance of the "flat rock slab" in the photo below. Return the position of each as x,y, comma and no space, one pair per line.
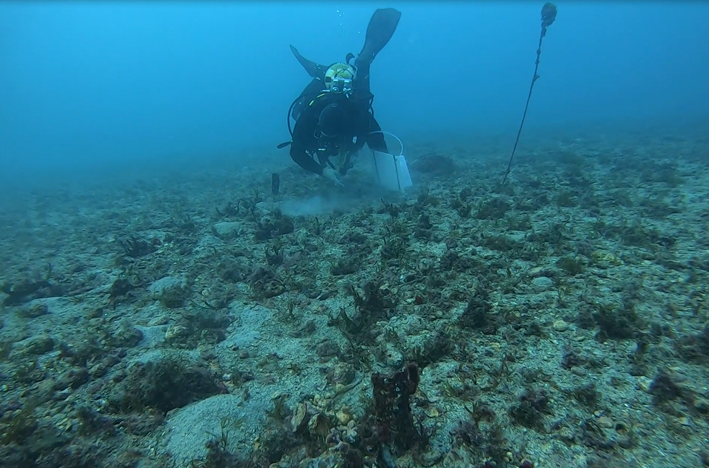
189,428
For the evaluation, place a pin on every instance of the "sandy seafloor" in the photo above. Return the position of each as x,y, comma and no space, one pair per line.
160,315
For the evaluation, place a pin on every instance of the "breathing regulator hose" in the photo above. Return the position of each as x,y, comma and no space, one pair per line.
548,17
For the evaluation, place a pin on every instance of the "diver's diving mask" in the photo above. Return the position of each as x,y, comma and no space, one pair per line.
338,78
342,86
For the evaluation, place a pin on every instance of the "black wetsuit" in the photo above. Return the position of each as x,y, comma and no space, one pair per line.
306,146
312,153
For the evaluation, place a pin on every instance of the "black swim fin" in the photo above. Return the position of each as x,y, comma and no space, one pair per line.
381,28
313,69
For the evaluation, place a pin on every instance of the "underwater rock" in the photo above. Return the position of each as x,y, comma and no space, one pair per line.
530,410
299,419
35,310
540,271
38,345
434,164
127,336
136,248
391,356
164,381
27,290
319,426
343,374
170,291
604,260
266,283
152,335
344,416
72,378
227,230
190,428
571,265
477,315
328,349
273,225
494,208
560,325
176,333
542,283
232,270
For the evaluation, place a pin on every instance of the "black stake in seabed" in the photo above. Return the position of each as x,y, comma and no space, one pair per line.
548,17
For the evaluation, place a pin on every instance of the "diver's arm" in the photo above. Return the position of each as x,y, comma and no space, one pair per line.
303,159
302,133
361,84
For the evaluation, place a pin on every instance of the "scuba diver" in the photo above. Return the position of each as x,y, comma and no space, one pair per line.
334,115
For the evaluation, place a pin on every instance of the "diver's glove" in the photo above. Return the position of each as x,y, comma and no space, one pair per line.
331,174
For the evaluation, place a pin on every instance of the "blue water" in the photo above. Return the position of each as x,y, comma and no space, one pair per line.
85,83
139,218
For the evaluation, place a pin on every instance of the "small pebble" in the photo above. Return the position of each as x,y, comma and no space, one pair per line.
343,417
580,371
540,271
605,421
175,332
685,421
542,283
39,345
702,405
35,310
162,320
644,383
560,325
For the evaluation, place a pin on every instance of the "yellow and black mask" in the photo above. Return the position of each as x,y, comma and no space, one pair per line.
338,78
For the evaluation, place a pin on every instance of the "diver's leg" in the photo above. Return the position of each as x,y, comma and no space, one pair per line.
380,30
314,70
